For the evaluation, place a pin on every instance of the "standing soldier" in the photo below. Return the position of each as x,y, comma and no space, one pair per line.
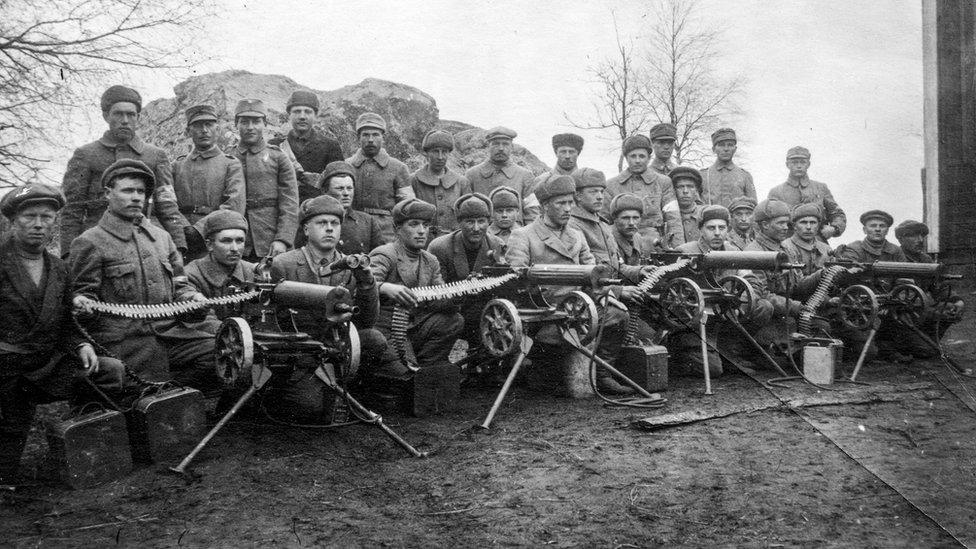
500,170
381,180
800,189
121,107
437,185
663,137
567,147
223,269
687,190
724,181
505,212
804,246
652,188
311,149
742,232
206,179
269,177
361,232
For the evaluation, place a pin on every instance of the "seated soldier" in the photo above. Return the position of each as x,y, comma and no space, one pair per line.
741,233
949,306
687,183
127,259
43,356
551,240
505,212
361,232
804,246
403,264
626,210
222,271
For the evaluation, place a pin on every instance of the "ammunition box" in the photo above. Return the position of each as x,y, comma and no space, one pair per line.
167,424
90,449
647,365
820,361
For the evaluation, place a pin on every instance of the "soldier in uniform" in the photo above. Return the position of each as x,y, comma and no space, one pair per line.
42,355
724,181
121,107
500,170
404,264
381,180
648,185
205,180
663,136
687,190
436,184
126,259
875,245
627,210
223,270
742,232
800,189
269,177
505,212
311,149
567,147
361,232
804,246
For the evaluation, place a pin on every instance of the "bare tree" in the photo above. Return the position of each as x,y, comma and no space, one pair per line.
56,54
680,84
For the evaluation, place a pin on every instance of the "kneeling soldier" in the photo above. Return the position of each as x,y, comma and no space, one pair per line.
222,271
804,246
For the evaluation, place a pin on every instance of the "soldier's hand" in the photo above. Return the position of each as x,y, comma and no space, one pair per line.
828,231
646,271
83,303
629,293
400,294
278,247
89,360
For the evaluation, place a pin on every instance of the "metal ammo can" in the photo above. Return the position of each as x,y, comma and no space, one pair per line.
647,365
89,448
167,423
820,360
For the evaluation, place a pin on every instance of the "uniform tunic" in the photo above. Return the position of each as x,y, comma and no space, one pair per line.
312,152
738,241
722,182
811,254
453,256
205,181
83,189
501,233
654,190
679,231
272,197
361,233
381,182
486,177
807,191
214,280
663,168
441,191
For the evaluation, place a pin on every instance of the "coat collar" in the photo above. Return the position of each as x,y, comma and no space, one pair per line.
209,153
135,143
22,283
488,169
560,243
580,213
724,166
647,177
253,149
626,245
816,245
665,167
310,137
217,276
123,229
878,251
427,177
559,171
767,243
803,182
382,158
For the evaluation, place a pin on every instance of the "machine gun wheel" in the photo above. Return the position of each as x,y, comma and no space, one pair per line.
744,293
345,340
909,304
683,303
582,315
233,350
501,328
858,307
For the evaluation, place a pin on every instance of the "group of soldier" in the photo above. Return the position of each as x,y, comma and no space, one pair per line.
130,221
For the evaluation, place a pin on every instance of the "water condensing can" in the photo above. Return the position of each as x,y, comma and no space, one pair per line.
820,361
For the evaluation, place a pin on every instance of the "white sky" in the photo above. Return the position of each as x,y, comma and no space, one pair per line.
839,77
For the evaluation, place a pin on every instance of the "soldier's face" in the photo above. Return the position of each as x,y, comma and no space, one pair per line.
226,247
126,197
627,222
590,199
557,209
914,243
685,192
806,228
473,229
301,118
32,226
123,119
437,158
713,233
413,233
637,160
342,188
251,129
203,133
567,158
876,231
663,148
798,167
724,150
500,149
505,217
371,141
323,231
742,218
777,228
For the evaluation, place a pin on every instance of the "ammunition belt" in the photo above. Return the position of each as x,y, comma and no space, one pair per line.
168,310
809,309
644,287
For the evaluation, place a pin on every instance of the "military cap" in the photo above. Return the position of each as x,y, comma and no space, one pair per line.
128,166
636,142
413,208
472,205
30,195
370,120
338,167
437,138
567,140
120,94
808,209
555,185
798,152
723,134
219,220
250,107
770,209
500,131
504,197
664,130
714,211
322,204
201,112
626,201
303,98
740,202
877,214
588,177
686,172
910,227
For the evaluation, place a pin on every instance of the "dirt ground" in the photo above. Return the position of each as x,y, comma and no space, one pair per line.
563,473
